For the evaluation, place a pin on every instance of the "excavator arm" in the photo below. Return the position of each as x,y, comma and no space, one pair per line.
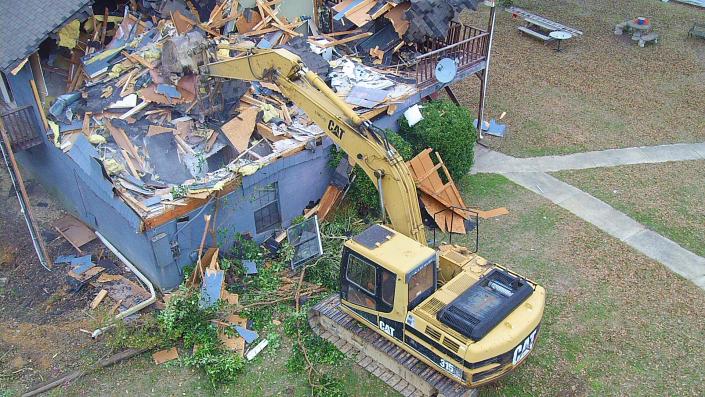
364,146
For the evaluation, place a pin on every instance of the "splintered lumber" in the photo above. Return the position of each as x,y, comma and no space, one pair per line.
428,180
122,140
244,25
347,39
240,128
447,220
266,132
396,16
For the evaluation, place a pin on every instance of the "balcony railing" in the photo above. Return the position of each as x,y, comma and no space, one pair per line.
464,44
21,127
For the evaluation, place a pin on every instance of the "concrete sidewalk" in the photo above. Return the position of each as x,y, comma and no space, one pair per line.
531,174
487,160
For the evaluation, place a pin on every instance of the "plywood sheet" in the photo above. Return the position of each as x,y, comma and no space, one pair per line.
240,128
397,16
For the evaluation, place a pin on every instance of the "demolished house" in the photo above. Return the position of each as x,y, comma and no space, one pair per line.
107,107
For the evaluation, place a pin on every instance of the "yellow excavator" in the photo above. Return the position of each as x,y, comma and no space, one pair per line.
427,322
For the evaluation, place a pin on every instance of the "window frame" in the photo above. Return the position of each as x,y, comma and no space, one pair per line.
259,197
432,261
367,263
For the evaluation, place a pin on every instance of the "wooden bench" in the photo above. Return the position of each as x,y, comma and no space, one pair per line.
534,33
698,30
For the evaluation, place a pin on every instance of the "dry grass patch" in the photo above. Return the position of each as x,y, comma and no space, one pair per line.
666,198
603,91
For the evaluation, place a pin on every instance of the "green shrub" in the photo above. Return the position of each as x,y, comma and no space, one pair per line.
363,191
447,129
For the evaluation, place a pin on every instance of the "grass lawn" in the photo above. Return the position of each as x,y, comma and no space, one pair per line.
616,322
667,198
603,91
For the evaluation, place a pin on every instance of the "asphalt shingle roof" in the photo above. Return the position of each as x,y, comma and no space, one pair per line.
24,24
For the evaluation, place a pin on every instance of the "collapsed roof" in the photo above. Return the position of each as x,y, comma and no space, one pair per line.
165,133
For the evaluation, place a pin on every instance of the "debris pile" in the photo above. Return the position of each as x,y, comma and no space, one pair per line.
166,133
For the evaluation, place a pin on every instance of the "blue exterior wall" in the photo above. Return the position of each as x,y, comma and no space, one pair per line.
76,179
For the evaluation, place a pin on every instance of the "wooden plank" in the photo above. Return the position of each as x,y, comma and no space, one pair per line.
39,105
347,39
122,140
99,298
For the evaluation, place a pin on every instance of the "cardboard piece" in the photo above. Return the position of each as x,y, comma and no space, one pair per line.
74,231
164,356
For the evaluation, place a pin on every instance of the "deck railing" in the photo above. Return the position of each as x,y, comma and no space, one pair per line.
21,127
464,44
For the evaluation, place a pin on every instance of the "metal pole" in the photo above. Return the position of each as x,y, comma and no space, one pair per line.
25,207
486,71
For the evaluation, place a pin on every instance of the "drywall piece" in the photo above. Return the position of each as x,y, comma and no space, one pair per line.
213,281
366,97
250,336
254,352
250,267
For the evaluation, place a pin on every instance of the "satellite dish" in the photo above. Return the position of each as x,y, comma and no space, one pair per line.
446,69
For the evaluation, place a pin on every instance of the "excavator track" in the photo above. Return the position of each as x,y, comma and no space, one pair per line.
382,358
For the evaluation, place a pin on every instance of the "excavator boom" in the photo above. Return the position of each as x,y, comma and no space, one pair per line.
427,312
356,137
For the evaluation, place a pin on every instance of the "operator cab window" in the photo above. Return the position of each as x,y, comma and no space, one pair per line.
362,282
422,283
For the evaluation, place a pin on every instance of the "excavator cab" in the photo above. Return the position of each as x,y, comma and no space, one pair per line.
472,320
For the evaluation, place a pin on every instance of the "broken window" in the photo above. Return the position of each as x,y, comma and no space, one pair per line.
267,215
306,240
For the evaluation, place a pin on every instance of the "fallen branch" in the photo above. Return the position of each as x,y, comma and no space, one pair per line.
106,362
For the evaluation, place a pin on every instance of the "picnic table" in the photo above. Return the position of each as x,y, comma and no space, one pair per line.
640,28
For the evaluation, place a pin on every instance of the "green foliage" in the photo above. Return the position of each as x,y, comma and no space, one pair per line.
320,352
363,191
183,319
403,147
246,248
179,191
335,156
220,365
506,3
143,335
326,270
448,129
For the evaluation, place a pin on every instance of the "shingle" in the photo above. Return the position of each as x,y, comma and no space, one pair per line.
24,24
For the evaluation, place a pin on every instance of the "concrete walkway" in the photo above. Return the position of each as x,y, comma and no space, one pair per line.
531,174
494,162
